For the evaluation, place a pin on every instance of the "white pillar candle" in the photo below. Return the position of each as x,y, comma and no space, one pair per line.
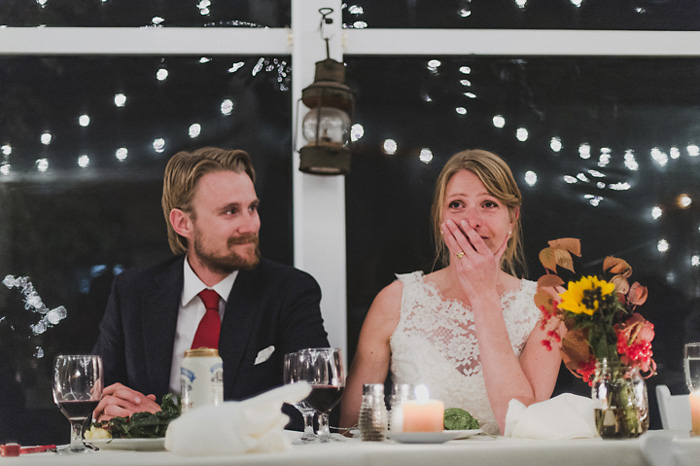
423,414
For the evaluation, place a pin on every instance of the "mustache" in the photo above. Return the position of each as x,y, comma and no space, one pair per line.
245,239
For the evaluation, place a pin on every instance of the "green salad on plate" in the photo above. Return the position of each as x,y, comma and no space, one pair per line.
459,419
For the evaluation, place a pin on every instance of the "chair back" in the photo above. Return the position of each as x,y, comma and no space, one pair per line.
674,409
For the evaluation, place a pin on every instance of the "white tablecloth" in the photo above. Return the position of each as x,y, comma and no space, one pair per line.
671,448
481,450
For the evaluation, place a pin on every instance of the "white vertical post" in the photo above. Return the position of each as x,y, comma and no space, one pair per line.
319,201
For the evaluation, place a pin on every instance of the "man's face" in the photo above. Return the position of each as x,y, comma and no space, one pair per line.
225,223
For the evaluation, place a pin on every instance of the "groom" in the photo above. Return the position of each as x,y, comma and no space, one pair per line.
263,309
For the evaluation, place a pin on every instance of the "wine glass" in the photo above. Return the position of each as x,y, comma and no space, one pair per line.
691,364
77,388
293,367
323,369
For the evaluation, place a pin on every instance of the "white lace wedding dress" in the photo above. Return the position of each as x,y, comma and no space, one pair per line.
435,344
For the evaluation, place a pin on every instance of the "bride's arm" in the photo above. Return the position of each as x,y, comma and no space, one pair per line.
373,355
529,378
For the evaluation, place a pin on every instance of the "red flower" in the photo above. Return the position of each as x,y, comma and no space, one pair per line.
634,342
554,336
587,371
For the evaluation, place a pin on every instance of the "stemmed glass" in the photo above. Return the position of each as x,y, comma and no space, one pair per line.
293,367
323,369
77,388
691,364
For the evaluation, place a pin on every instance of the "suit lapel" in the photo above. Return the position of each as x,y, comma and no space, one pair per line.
238,324
159,310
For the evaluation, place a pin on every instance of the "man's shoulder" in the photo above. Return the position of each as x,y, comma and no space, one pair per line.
143,275
277,272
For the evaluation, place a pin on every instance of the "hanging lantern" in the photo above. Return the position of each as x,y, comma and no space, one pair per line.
326,127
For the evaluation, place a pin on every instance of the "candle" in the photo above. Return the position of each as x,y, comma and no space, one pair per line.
695,411
423,414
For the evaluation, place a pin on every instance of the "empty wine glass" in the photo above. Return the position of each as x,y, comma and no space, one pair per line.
691,364
323,369
77,388
293,367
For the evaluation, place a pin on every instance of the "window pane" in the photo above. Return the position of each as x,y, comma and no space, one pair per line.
137,13
83,145
596,145
675,15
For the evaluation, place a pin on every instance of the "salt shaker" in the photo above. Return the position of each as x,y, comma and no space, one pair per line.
400,393
373,414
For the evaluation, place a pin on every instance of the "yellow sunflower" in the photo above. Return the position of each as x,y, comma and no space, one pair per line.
582,296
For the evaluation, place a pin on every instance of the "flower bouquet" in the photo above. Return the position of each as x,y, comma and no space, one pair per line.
605,342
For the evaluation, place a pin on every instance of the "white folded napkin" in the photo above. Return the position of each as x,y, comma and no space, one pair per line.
563,417
254,425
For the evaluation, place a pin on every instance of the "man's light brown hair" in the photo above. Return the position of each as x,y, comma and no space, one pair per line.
182,173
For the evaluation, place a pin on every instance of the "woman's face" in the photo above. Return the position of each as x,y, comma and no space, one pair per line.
466,198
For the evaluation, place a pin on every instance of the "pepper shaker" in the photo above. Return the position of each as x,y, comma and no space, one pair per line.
373,413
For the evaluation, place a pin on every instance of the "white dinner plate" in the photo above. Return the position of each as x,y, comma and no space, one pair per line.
433,437
139,444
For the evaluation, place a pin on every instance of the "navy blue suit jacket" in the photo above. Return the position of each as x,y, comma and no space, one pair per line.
273,304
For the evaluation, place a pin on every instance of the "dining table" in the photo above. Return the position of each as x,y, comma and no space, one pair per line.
654,448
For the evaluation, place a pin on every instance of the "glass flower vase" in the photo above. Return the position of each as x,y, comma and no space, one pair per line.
620,400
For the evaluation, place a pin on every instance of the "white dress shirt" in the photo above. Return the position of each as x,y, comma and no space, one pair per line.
190,313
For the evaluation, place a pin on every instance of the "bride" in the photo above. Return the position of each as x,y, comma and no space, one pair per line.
469,331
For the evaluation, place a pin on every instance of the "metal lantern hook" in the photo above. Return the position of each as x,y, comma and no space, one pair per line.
326,19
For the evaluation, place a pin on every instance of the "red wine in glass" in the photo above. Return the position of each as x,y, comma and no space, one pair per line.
323,398
322,368
77,410
77,388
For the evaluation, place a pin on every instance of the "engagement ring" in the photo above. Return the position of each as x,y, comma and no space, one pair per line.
459,255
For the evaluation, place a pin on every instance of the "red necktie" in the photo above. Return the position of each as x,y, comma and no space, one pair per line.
207,335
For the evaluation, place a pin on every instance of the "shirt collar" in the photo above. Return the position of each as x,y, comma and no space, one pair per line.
193,285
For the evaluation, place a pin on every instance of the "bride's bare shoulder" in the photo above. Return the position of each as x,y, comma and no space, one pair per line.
438,276
385,312
389,296
511,283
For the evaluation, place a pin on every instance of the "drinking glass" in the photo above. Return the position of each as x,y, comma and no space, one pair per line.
293,366
691,364
77,388
323,369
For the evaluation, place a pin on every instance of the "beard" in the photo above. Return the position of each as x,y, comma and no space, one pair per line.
232,261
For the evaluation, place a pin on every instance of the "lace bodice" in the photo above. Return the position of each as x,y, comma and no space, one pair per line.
435,343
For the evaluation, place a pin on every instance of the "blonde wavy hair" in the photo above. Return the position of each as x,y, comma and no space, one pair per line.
182,173
498,179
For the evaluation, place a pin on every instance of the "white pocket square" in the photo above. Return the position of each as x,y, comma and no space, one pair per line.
264,355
